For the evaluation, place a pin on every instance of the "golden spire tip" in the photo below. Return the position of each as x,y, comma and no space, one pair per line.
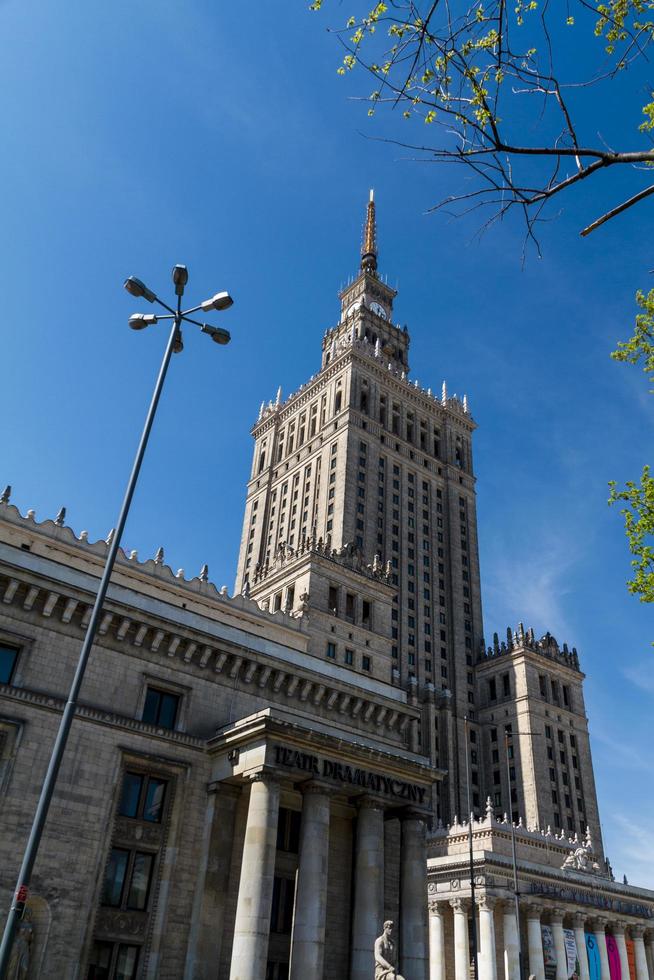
369,247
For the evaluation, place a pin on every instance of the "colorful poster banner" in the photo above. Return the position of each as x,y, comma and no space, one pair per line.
549,953
571,953
615,967
594,965
631,956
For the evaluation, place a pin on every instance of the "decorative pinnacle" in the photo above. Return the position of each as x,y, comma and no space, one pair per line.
61,517
159,557
204,573
369,246
6,495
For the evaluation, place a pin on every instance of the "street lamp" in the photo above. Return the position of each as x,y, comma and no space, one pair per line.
138,321
508,744
471,859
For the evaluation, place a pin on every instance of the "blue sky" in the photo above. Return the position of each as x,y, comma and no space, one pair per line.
139,135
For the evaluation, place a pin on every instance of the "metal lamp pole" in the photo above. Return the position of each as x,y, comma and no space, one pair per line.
471,859
507,736
221,301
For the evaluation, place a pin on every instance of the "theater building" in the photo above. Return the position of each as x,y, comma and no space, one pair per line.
255,782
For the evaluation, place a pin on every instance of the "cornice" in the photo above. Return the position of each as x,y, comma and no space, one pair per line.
100,716
297,676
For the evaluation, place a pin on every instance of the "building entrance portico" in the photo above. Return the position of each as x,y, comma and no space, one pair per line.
574,922
312,848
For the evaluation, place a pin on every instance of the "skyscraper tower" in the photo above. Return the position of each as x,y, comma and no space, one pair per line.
364,465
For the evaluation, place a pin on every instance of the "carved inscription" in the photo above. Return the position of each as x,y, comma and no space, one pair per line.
353,776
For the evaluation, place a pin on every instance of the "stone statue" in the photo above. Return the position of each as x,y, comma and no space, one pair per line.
385,955
581,859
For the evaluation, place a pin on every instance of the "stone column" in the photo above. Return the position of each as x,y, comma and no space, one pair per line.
413,898
252,925
436,941
511,943
618,935
308,940
637,933
535,940
556,921
461,945
368,910
582,952
487,959
599,931
649,953
207,920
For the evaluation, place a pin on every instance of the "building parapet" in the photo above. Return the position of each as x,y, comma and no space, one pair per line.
154,568
348,557
574,854
348,342
521,639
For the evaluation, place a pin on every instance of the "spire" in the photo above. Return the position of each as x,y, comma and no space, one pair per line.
369,246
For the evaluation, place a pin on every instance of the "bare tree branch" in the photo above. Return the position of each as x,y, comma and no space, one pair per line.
454,65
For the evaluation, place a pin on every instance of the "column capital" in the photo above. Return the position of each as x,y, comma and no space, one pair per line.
533,911
579,919
637,932
269,777
486,903
618,928
599,924
435,906
369,803
314,787
556,916
408,813
459,904
232,790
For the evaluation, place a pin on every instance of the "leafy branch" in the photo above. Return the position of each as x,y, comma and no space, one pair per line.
480,74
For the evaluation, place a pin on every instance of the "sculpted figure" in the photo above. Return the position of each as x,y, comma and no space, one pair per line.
385,955
581,859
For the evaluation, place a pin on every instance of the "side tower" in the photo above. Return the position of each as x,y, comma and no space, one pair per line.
533,689
366,469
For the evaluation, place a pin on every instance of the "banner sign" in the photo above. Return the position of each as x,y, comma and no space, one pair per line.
549,953
571,954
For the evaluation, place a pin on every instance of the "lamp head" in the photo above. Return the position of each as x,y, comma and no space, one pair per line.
221,301
219,336
180,278
138,321
137,288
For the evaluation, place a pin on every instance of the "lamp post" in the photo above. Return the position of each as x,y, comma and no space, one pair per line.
508,735
134,286
471,859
